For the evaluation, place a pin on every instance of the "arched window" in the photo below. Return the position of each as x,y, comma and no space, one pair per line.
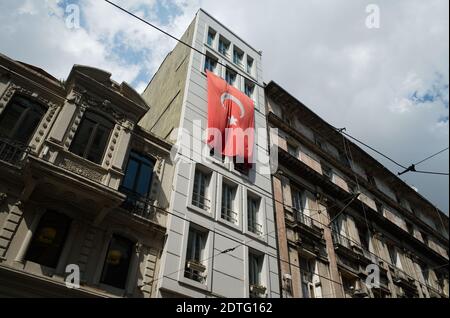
92,137
117,262
48,240
20,119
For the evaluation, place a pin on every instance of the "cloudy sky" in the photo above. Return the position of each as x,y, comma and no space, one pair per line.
388,86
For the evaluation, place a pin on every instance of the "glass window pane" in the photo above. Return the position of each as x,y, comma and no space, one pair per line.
99,143
48,240
130,175
9,118
27,126
82,137
144,180
117,262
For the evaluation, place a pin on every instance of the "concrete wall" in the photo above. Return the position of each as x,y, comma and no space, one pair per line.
166,90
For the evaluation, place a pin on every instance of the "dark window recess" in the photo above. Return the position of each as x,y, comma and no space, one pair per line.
92,137
327,172
117,262
138,176
48,240
20,119
242,166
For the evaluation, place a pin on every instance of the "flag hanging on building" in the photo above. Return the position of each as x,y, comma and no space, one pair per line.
231,120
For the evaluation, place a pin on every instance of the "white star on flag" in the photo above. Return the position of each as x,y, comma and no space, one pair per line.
232,121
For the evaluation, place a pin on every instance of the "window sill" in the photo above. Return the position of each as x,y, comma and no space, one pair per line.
200,211
261,238
229,224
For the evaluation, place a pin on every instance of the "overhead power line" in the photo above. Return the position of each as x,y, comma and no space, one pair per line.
342,131
430,157
182,42
411,168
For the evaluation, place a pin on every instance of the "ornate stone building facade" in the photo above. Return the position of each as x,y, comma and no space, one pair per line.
81,185
338,210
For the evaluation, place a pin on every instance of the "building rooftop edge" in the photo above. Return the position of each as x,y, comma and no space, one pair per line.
427,201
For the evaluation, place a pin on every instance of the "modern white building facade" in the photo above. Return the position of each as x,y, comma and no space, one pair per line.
221,238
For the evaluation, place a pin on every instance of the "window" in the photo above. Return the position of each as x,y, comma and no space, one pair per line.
371,179
210,64
299,204
320,143
394,256
228,203
249,65
241,165
230,77
92,137
211,37
48,240
224,46
200,194
327,172
117,262
238,57
425,238
253,206
297,200
138,176
249,89
137,182
308,269
194,268
255,263
20,119
292,150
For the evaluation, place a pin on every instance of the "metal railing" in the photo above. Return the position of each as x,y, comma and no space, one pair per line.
138,205
343,240
304,219
255,228
13,152
201,201
229,215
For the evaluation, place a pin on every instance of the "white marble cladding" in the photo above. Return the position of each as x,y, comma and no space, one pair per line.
226,274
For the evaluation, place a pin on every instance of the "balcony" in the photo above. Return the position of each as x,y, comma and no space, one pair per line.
307,226
142,207
403,280
348,248
255,228
13,152
201,201
229,215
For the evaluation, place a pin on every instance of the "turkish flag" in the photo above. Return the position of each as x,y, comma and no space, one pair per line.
231,120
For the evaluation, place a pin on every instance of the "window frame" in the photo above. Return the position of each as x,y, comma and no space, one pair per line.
129,266
35,107
100,121
63,240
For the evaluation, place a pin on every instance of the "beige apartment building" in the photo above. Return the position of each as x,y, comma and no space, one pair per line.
338,210
81,186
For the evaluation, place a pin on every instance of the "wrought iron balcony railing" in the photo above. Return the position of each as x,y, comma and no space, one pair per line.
304,219
201,201
138,205
229,215
13,152
255,228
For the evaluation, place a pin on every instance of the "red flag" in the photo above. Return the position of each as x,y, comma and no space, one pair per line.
231,119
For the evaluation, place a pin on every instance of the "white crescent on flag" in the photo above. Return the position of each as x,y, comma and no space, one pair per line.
234,99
